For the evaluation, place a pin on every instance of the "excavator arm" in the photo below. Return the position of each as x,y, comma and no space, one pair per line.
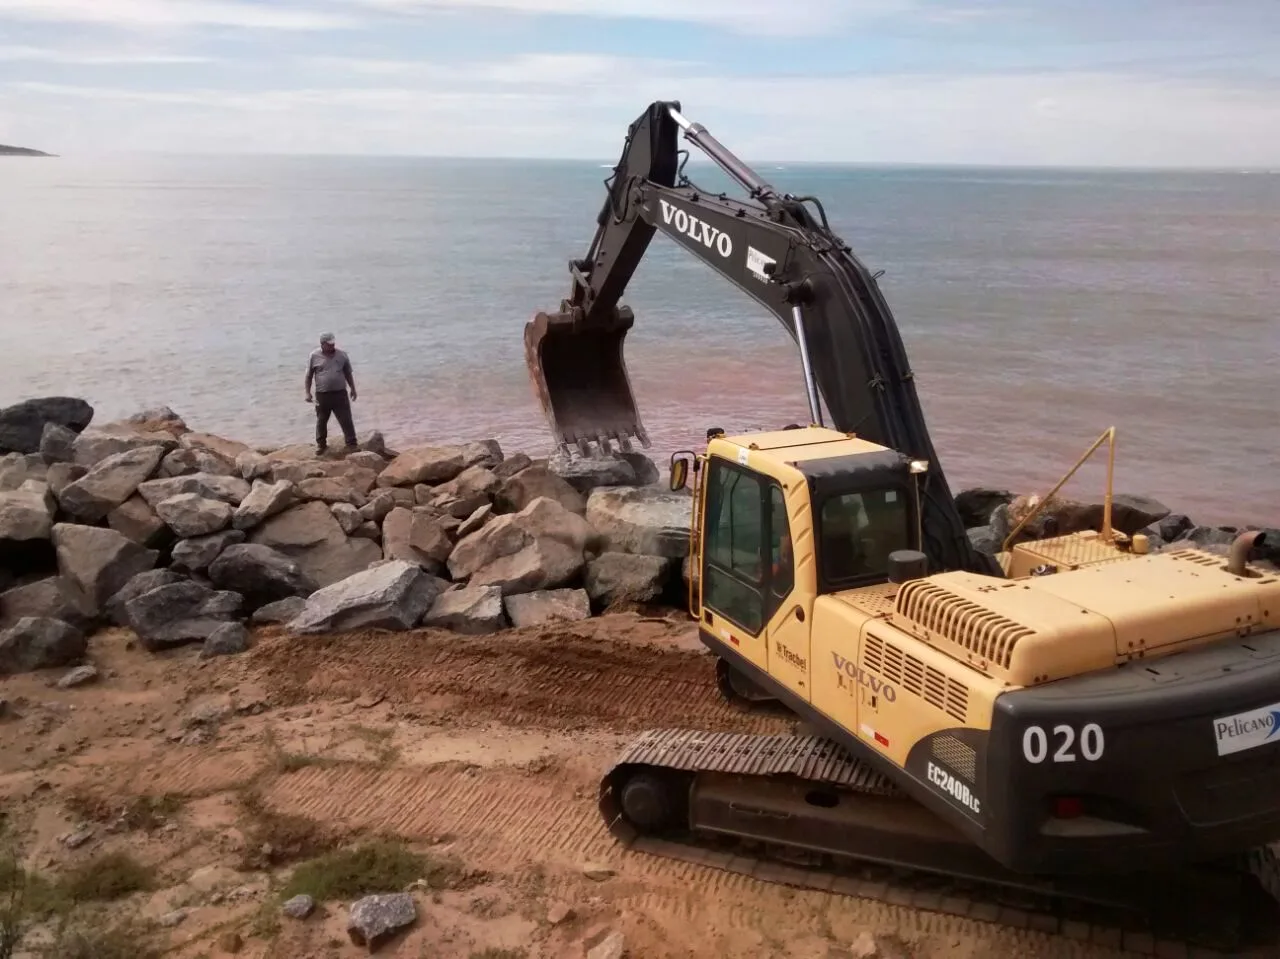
773,248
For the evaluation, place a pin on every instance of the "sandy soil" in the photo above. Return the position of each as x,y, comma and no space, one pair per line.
485,749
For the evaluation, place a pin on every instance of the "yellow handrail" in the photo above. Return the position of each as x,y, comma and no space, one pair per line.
695,543
1108,535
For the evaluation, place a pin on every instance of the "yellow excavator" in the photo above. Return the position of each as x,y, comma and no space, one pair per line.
1074,724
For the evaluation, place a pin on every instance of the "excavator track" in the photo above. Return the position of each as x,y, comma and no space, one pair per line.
800,810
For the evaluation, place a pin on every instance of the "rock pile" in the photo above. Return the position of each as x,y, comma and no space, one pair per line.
186,536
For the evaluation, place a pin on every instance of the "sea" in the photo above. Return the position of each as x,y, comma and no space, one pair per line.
1038,307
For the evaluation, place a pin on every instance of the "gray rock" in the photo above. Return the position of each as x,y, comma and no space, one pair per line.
225,449
32,644
57,444
475,610
281,611
109,483
475,521
99,562
299,907
376,920
310,535
585,473
252,466
547,606
62,475
26,513
158,417
138,522
626,577
984,539
416,537
330,490
22,425
197,554
78,677
185,461
136,586
94,446
229,489
423,464
190,514
370,531
226,640
1173,526
16,469
482,453
348,517
613,946
975,505
259,573
178,614
263,501
381,502
368,459
646,470
533,483
53,597
647,520
512,465
393,595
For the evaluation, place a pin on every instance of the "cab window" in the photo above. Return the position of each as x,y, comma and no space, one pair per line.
858,531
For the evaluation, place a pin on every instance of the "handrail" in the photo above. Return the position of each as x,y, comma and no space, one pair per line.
695,542
1107,533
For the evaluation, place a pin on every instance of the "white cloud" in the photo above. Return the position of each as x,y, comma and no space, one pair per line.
173,13
21,54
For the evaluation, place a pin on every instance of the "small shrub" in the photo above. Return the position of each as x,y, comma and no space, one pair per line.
382,865
109,876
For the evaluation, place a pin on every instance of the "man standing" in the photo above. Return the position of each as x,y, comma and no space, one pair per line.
330,369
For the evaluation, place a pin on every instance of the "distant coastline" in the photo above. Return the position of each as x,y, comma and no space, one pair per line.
6,151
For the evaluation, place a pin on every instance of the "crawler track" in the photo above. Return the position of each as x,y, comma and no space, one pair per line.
740,828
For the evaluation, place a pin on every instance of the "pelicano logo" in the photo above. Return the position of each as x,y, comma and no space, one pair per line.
1249,730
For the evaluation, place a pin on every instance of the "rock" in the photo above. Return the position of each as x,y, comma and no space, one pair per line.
368,459
53,597
179,613
158,418
78,677
227,450
512,465
57,444
381,502
597,872
136,586
252,465
375,920
472,480
984,539
263,501
281,611
16,469
482,453
394,595
94,446
309,534
864,946
535,482
415,537
1174,526
547,606
540,547
613,946
559,913
425,464
99,562
474,610
348,517
585,473
260,574
976,505
26,513
231,941
328,490
299,907
137,521
32,644
626,577
226,640
62,475
183,462
1206,536
475,521
370,531
190,514
22,425
197,554
646,470
646,520
229,489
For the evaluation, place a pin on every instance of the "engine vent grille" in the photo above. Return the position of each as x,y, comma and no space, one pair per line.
987,635
930,684
959,756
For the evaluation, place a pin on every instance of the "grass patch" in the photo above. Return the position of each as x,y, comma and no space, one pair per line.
109,876
275,839
145,813
117,942
375,866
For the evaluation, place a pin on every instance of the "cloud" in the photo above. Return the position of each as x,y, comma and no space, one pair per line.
20,54
174,13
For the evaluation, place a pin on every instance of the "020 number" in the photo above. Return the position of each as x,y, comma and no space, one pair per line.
1035,743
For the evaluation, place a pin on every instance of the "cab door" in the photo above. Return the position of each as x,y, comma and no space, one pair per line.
787,609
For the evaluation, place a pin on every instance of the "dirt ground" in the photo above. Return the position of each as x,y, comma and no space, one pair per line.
480,751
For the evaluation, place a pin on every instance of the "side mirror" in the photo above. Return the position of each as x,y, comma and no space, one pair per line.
680,462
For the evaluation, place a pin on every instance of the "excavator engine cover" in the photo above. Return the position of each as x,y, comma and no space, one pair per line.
581,379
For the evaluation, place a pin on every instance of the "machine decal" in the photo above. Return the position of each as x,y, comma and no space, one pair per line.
952,786
864,678
709,236
757,261
1036,742
873,734
1233,734
799,662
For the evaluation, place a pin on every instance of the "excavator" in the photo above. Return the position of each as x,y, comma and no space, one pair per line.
1076,723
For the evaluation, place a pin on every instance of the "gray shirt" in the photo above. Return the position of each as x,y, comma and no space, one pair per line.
328,370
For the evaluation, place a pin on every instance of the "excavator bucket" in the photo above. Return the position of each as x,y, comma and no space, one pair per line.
581,380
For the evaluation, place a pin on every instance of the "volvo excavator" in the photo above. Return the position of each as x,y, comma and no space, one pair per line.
1077,722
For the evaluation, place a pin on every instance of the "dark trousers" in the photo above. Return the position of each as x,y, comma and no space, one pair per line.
337,403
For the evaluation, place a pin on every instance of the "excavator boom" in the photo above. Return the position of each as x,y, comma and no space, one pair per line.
772,247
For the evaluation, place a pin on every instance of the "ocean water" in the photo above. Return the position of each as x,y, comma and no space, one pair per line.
1038,308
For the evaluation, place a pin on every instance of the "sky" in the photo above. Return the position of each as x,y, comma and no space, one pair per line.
1006,82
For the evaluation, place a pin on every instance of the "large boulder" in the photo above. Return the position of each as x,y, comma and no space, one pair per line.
536,482
33,643
545,606
142,583
263,501
647,520
259,573
474,610
976,505
229,489
180,613
110,483
541,547
627,577
136,520
394,595
309,534
375,920
52,597
17,469
95,445
99,561
190,514
416,536
328,489
195,555
26,513
423,464
1130,514
22,425
57,444
224,449
585,473
185,461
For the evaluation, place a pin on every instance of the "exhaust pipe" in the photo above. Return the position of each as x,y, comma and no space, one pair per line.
1237,558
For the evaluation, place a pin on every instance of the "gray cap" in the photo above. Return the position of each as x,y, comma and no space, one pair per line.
326,337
